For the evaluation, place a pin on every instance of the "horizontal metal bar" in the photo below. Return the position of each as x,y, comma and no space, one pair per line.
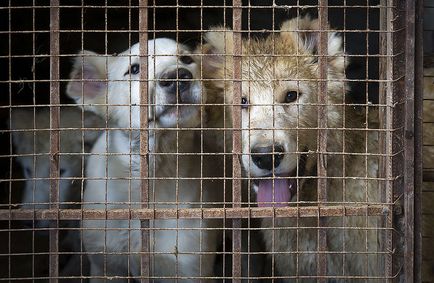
346,277
283,7
41,130
194,213
287,253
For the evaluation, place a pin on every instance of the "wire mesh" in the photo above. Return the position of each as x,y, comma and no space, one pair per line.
210,140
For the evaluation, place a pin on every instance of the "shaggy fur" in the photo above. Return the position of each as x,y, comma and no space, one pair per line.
271,68
174,239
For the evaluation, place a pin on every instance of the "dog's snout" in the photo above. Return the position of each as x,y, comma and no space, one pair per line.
263,156
176,82
184,74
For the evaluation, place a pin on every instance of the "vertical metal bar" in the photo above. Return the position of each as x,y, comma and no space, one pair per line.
386,98
418,122
382,100
83,168
54,136
389,99
322,136
236,118
409,141
34,121
106,199
385,113
143,39
10,137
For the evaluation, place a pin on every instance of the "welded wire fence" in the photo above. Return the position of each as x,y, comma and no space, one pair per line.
211,140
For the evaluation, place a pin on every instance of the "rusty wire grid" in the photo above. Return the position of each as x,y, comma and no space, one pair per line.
301,161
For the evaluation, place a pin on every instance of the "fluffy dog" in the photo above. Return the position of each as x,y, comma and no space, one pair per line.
36,169
33,144
280,75
112,179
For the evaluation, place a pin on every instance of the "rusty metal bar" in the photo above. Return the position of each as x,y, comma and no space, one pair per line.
322,136
385,90
385,115
236,135
409,144
418,122
398,119
382,100
143,39
412,142
10,136
195,213
54,138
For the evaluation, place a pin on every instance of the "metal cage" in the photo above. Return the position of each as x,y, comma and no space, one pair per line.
47,216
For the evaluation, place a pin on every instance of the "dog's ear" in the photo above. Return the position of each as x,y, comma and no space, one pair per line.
88,77
304,33
218,45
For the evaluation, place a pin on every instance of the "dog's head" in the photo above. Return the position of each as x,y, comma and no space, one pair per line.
33,150
112,83
280,76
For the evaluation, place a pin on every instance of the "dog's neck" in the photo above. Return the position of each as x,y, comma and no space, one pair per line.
163,146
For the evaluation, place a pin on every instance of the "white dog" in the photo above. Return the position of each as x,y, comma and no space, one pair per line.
31,140
32,145
112,180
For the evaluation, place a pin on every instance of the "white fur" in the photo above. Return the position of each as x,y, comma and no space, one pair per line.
34,146
123,167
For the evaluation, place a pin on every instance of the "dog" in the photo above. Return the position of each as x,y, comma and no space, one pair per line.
31,141
279,118
111,89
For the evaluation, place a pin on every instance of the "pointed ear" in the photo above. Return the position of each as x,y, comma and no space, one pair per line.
88,78
304,33
218,45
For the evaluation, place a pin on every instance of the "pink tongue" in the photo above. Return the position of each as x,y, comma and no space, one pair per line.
282,193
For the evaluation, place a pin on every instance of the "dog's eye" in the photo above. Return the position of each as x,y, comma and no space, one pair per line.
291,96
186,60
244,102
134,69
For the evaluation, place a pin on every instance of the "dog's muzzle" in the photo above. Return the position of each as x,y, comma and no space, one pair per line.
277,190
267,157
177,84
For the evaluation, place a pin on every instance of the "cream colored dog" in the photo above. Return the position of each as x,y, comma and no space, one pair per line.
113,246
33,146
280,75
31,140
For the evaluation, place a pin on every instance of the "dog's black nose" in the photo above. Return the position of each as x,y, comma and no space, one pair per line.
262,156
176,82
